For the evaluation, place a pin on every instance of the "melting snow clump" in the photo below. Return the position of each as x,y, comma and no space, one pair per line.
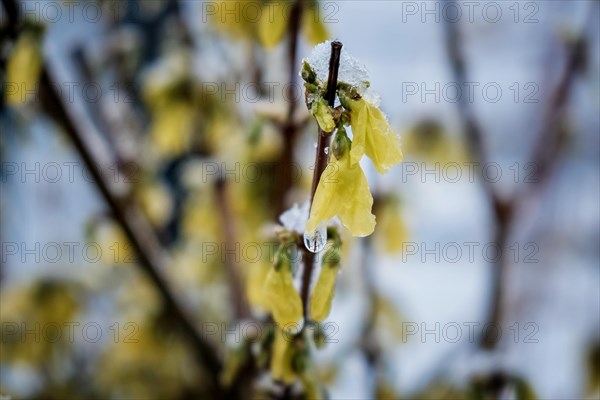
294,219
351,70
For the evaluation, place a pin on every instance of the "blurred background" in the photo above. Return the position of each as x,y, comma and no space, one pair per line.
148,149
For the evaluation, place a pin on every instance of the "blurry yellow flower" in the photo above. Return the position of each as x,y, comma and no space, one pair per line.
428,140
284,299
200,222
232,17
172,128
266,144
281,359
156,202
313,26
255,281
343,191
235,359
114,245
144,364
272,24
23,70
373,136
392,231
322,294
32,308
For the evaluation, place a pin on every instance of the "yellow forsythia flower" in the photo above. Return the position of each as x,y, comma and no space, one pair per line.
23,70
283,297
272,24
171,129
255,280
281,359
373,136
392,230
343,191
322,294
230,17
156,202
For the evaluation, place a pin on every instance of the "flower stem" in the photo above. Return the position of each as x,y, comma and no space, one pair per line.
323,137
320,165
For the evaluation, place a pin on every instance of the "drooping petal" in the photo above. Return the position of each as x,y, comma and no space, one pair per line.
343,190
322,294
284,299
359,123
281,358
373,136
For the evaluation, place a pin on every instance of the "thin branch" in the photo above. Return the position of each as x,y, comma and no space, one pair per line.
140,234
151,257
240,306
289,129
323,137
320,165
544,155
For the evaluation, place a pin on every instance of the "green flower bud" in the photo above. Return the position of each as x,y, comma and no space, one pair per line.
319,336
308,74
322,112
341,143
311,87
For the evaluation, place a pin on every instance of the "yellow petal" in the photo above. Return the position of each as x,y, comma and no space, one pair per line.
281,359
343,190
322,294
373,136
284,299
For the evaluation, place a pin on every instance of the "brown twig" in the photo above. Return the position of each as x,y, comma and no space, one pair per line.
289,129
240,306
544,155
151,257
320,165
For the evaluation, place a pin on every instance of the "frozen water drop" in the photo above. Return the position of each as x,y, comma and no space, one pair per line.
316,243
326,150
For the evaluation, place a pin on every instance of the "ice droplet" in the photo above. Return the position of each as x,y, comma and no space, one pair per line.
316,243
326,150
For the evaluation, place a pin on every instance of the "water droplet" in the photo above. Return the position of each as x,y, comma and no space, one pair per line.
326,150
316,243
